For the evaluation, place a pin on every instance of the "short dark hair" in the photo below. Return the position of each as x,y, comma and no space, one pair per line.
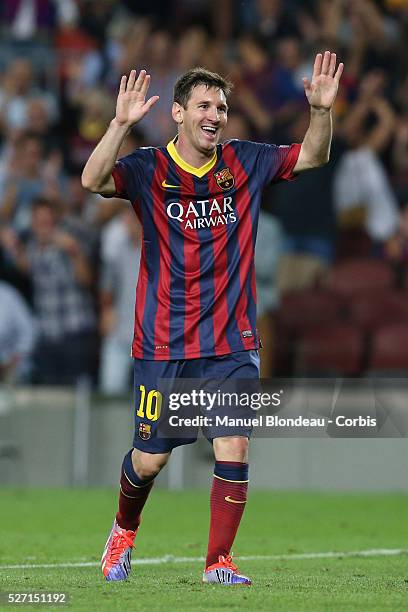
198,76
43,202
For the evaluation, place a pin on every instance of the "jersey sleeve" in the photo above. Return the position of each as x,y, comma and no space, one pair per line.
119,176
276,162
128,175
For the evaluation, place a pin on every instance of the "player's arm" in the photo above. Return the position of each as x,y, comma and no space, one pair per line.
321,92
131,107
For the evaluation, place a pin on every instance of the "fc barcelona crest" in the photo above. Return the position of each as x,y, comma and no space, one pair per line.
224,178
145,431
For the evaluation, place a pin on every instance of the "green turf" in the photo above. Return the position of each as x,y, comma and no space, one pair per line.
71,526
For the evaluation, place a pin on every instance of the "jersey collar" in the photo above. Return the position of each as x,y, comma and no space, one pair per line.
199,172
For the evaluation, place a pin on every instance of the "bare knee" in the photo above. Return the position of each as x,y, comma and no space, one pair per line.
231,449
147,465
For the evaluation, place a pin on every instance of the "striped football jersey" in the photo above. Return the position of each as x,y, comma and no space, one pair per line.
196,294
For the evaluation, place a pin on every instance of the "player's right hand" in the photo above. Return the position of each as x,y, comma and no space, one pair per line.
131,105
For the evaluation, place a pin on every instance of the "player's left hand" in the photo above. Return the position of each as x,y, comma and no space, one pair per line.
322,90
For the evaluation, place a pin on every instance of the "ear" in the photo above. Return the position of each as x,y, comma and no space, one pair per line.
177,112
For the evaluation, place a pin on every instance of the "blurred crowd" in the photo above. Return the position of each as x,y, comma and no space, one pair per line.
65,253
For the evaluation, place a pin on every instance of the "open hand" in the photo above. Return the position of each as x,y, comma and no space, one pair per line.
322,90
66,242
9,240
131,105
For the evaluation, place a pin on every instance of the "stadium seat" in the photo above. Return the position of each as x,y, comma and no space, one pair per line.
389,352
331,350
361,274
353,242
372,309
300,311
303,310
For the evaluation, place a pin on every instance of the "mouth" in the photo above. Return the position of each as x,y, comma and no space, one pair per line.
210,132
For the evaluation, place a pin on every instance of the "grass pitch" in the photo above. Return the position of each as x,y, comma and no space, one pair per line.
71,526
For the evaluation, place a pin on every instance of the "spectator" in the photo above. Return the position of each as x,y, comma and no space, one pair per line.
19,85
62,278
192,47
306,211
361,177
26,19
41,123
270,20
118,280
267,253
17,333
29,177
94,112
158,126
267,92
80,216
400,158
396,248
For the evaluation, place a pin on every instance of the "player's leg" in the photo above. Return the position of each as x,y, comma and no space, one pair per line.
140,466
230,480
231,448
151,450
228,494
227,503
139,470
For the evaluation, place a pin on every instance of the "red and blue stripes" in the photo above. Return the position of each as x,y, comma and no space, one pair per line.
196,294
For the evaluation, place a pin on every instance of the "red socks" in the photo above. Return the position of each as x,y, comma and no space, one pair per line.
227,502
132,497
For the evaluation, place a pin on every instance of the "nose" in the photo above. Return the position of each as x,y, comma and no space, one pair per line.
214,114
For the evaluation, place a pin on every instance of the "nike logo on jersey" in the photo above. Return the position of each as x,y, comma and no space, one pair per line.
167,186
234,501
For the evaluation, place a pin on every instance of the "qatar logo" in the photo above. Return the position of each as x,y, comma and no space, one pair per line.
203,213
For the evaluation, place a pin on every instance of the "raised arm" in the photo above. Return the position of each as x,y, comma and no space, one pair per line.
321,93
131,107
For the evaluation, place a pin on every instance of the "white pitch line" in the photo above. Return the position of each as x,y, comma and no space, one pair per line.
375,552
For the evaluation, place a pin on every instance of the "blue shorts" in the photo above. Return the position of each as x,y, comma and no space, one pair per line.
152,410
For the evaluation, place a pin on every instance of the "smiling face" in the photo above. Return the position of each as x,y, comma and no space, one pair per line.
203,120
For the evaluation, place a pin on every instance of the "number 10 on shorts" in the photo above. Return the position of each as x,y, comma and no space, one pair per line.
150,406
